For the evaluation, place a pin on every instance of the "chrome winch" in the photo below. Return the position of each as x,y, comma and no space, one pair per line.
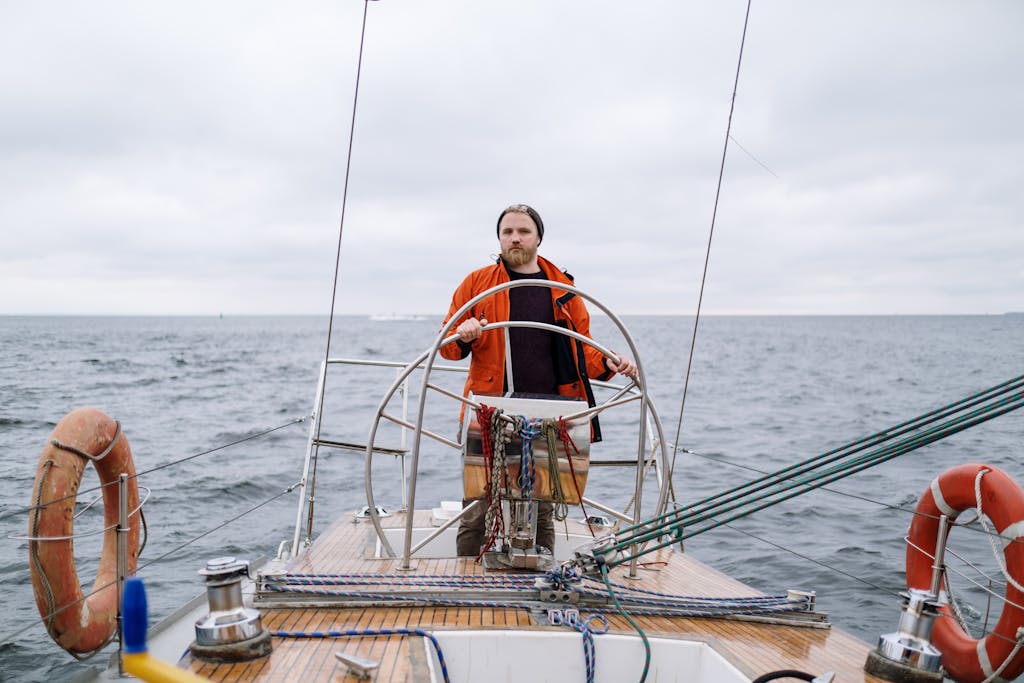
231,632
907,655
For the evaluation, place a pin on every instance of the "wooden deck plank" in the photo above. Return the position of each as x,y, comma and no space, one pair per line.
754,647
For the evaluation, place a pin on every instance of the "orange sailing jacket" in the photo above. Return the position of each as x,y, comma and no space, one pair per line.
575,361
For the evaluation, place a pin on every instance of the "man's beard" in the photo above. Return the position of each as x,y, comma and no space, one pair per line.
518,257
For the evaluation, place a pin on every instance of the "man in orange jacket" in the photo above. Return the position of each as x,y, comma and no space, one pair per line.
542,362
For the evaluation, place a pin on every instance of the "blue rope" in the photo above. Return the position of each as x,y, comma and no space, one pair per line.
390,597
637,607
372,633
563,576
510,581
527,470
589,653
370,575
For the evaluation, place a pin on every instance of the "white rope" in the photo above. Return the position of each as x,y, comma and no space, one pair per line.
996,552
1009,658
954,606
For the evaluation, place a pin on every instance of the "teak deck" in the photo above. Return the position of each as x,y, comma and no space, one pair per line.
754,648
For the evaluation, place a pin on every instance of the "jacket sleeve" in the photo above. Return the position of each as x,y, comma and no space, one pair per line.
596,367
457,350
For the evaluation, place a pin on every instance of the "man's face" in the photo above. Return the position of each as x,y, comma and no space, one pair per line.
519,238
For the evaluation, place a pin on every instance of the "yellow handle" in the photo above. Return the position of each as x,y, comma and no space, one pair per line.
148,668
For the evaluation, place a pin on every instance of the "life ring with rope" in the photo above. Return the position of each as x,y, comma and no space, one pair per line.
79,624
996,495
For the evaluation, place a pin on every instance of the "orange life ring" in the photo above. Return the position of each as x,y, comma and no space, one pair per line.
81,625
1002,500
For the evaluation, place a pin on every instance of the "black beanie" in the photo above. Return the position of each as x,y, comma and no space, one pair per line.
529,211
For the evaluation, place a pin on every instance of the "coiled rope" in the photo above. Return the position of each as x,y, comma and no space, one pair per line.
566,439
627,601
560,508
496,431
529,431
493,441
389,587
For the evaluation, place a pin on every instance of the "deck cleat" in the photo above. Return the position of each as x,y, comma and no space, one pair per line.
603,521
231,632
360,667
364,512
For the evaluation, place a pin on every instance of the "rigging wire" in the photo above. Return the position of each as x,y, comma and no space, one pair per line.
711,234
808,558
755,159
172,463
795,480
337,265
897,508
837,492
220,526
912,433
9,638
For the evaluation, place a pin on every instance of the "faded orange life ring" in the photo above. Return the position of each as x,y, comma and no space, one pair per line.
968,660
79,624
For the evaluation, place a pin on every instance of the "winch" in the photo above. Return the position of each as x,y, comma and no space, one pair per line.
231,632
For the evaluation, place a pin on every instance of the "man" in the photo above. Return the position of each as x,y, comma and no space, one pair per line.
542,362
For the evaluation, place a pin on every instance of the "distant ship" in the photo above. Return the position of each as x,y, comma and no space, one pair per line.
396,316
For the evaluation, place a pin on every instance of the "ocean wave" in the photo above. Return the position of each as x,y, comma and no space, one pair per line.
764,392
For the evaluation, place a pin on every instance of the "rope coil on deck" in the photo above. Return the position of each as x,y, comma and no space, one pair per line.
638,601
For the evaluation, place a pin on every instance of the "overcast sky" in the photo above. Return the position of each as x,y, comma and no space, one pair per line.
189,157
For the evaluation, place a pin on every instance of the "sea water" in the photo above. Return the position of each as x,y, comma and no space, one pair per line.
216,413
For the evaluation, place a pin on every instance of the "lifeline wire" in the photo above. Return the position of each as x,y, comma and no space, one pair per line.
10,637
820,470
218,527
298,420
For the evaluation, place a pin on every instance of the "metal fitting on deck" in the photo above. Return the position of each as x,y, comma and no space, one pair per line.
231,632
907,654
590,557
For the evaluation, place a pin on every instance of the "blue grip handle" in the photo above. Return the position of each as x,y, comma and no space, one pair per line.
134,610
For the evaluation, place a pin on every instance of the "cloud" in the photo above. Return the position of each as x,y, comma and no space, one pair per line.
191,158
